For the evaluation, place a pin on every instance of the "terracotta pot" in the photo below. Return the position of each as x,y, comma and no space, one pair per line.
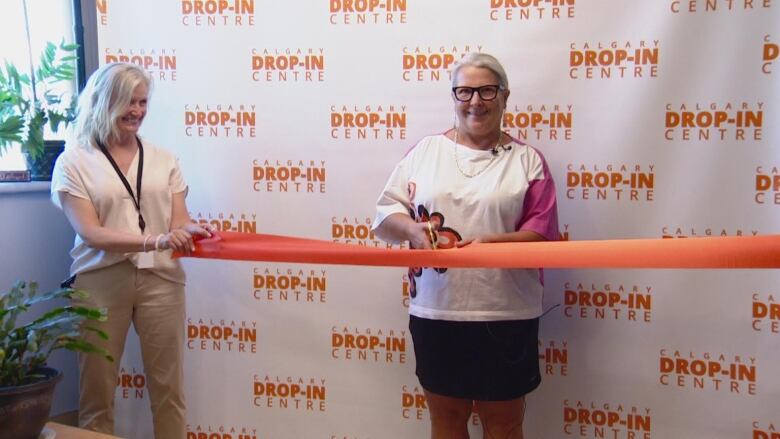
24,410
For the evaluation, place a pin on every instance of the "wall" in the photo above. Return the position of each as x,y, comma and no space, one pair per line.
601,88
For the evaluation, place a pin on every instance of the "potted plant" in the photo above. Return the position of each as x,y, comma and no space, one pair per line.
26,384
29,100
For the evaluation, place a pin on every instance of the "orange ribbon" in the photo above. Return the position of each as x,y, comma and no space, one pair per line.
705,252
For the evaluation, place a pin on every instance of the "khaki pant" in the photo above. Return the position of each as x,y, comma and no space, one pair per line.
156,308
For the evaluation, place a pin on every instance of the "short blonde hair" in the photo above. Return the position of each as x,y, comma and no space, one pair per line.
104,99
485,61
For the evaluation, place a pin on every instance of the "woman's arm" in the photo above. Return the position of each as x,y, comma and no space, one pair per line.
84,220
180,216
518,236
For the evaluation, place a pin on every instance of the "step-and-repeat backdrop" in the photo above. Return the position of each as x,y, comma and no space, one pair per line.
659,119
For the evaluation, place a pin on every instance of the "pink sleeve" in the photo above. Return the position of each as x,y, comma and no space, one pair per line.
540,208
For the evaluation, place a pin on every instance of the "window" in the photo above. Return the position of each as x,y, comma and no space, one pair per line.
49,20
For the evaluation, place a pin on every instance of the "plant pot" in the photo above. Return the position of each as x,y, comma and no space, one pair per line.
24,410
41,169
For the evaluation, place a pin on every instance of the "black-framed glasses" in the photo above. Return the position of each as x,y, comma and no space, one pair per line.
486,92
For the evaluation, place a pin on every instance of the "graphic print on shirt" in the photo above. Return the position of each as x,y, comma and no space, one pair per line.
446,237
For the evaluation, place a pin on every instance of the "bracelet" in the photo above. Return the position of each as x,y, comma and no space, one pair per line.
157,242
146,239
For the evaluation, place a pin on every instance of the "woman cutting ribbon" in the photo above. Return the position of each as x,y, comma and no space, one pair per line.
125,198
475,331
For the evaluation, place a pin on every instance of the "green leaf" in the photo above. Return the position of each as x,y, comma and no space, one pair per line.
100,333
47,58
86,347
62,323
55,119
68,47
49,316
32,287
34,143
10,131
90,313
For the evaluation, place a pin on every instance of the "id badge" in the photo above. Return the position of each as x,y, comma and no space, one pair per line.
145,259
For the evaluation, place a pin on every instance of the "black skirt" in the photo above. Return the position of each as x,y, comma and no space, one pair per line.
481,361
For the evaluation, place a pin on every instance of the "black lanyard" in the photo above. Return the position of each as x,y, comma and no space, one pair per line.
137,202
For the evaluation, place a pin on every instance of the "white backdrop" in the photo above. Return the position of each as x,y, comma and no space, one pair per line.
658,119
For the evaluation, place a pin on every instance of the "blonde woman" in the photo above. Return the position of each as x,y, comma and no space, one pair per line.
125,198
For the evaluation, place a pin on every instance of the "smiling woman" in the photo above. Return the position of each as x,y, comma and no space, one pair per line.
473,184
125,198
48,21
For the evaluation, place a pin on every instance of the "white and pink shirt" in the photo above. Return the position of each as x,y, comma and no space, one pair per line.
509,191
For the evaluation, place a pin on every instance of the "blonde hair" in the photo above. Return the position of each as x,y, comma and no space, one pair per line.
485,61
104,100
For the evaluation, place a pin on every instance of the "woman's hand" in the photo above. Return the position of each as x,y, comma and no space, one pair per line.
420,236
182,240
204,231
178,240
465,242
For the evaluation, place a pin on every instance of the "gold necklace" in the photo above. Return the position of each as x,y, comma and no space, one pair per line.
457,162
